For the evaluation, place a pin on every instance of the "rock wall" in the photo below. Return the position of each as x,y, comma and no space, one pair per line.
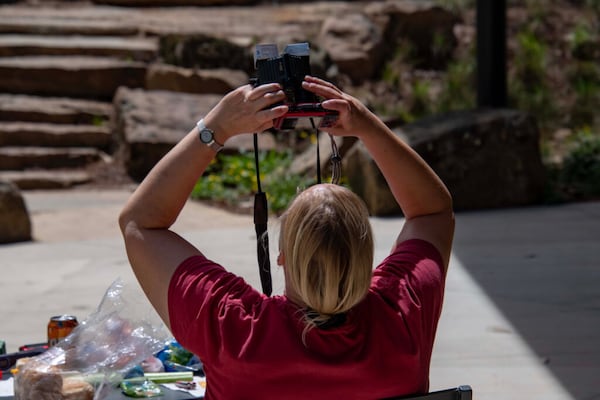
182,60
486,158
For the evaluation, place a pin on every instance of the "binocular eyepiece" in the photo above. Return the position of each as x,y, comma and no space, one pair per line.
289,69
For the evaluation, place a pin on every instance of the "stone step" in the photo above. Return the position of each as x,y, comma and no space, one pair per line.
41,179
171,3
134,48
76,76
22,158
53,25
55,110
54,135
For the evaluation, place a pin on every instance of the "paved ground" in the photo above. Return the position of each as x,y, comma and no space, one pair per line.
521,318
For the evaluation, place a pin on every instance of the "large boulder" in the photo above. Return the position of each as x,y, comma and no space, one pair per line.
487,159
355,44
149,123
359,43
205,52
428,28
15,225
179,79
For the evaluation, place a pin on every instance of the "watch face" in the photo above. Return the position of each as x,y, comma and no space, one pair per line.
206,135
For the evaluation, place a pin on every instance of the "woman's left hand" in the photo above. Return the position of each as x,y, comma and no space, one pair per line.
246,109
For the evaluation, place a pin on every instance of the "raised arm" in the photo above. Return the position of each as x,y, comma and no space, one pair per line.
422,196
155,251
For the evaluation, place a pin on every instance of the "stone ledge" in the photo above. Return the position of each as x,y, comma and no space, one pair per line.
57,135
50,25
38,180
56,110
139,49
486,158
87,77
19,158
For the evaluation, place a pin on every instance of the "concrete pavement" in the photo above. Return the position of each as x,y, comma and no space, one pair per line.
521,317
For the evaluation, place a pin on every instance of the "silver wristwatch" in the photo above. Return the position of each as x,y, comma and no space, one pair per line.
207,136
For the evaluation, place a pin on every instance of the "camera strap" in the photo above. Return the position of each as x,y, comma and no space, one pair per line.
261,217
336,159
261,209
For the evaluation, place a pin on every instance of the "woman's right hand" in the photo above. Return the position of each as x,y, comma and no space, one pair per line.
354,118
246,109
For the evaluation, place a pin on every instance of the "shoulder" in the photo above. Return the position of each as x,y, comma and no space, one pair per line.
195,271
208,305
201,279
415,268
410,253
201,289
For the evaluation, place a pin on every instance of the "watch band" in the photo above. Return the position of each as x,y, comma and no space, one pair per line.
207,136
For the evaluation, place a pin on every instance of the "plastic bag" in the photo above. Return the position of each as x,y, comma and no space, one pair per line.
121,333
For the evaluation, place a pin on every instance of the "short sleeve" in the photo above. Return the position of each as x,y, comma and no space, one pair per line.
411,280
200,294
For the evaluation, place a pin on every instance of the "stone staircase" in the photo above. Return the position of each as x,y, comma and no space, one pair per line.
57,80
62,61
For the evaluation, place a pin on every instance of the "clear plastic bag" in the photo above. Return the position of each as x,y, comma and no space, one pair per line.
121,333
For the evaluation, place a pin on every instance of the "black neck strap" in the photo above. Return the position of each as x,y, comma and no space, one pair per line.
261,217
261,210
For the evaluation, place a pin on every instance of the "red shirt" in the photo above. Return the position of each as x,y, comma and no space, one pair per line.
251,345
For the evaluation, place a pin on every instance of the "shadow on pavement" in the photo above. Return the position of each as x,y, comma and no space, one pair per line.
540,266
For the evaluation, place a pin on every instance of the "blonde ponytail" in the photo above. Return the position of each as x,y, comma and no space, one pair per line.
327,243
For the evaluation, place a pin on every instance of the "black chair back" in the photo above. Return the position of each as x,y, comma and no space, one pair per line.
463,392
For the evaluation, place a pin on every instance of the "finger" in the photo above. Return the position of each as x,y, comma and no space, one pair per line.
321,82
259,91
271,113
321,90
269,99
314,79
339,105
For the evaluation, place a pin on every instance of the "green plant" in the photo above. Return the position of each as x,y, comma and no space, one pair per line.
528,87
580,172
421,104
584,78
458,87
594,5
231,178
530,60
98,120
442,48
581,33
582,41
392,70
226,179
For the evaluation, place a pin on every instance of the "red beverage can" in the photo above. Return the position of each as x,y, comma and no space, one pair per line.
60,326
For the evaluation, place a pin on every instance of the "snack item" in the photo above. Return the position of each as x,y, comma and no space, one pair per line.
32,384
97,353
49,384
75,388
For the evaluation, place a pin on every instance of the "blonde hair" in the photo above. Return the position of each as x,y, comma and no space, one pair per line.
327,243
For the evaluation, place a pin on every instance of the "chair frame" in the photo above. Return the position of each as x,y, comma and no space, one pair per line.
463,392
